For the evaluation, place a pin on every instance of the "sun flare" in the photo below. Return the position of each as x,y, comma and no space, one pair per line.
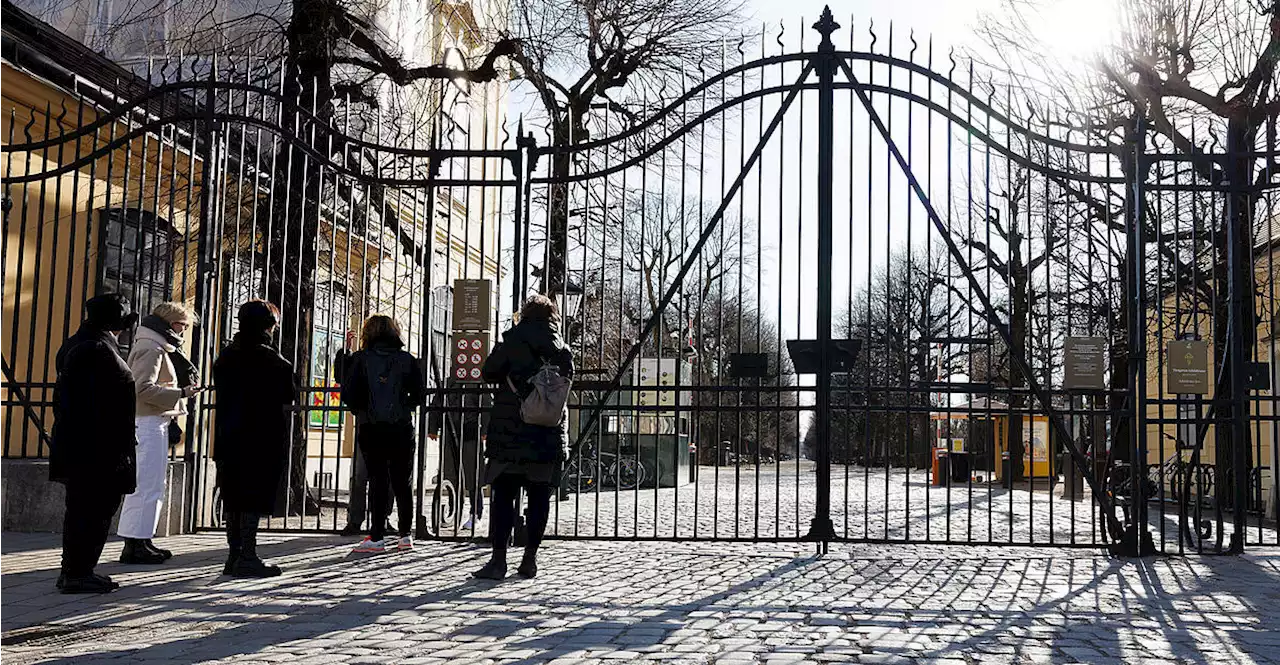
1076,29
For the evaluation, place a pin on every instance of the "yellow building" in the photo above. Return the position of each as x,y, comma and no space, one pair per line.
1187,315
119,209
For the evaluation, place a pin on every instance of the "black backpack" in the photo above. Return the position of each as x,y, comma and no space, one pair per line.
386,373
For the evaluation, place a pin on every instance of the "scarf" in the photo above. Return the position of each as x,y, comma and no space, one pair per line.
183,368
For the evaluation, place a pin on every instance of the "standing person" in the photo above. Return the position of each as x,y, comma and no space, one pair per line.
92,450
521,455
254,386
383,386
163,380
464,433
357,503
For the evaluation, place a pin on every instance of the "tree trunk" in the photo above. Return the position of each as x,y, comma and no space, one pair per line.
295,220
1237,215
1018,336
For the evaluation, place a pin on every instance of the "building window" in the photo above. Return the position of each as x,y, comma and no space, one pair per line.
136,256
243,282
332,314
441,318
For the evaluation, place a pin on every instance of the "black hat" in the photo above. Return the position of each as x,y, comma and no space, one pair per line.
110,312
258,316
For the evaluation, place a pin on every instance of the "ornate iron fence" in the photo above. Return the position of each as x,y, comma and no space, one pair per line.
821,295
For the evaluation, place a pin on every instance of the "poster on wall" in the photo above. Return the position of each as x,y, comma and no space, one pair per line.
324,348
1035,440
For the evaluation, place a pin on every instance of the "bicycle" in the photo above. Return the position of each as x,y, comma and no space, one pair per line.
623,473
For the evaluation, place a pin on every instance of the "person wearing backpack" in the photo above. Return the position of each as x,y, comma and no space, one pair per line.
527,435
383,386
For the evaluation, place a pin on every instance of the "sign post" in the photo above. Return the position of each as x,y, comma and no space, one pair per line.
471,304
1188,363
472,315
1085,360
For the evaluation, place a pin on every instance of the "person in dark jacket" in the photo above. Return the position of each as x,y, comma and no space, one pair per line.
456,427
93,445
357,496
519,455
254,386
383,387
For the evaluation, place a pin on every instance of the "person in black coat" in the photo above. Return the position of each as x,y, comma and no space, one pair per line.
254,386
93,445
384,387
456,426
519,455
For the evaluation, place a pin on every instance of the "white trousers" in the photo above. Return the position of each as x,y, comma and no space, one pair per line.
141,511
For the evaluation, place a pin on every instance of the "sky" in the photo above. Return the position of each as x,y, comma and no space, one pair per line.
876,214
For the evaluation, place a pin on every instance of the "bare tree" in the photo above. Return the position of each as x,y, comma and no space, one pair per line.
587,59
1181,76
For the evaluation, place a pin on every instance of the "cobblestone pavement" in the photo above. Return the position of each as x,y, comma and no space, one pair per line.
643,602
778,501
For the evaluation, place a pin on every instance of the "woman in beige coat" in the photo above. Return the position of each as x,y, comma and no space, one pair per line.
164,380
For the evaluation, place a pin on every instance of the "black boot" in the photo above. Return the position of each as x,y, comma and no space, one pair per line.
86,584
163,552
232,521
247,564
528,564
136,552
496,569
254,567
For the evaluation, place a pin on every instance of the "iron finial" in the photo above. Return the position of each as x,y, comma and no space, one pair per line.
826,26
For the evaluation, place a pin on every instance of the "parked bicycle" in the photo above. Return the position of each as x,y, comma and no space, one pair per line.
595,468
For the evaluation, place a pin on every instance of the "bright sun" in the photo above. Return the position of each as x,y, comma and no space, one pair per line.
1076,29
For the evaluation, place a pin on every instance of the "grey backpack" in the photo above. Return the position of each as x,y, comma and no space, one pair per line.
545,404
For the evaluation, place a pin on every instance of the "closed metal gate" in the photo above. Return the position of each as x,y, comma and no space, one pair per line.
824,295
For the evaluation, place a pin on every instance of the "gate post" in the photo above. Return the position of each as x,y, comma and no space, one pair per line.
1240,292
206,272
822,529
1137,536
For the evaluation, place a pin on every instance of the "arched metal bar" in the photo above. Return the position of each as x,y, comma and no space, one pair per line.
150,127
933,105
322,127
289,106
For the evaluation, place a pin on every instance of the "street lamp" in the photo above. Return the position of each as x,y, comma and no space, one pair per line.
573,297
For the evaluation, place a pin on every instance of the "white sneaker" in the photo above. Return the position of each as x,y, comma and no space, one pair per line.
468,525
406,543
369,546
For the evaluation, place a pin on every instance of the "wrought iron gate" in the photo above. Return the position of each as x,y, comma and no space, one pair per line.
821,295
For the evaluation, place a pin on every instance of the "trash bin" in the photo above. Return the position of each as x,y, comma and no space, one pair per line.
943,475
961,467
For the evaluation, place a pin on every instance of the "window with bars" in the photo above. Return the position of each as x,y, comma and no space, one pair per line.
136,258
244,282
441,320
332,315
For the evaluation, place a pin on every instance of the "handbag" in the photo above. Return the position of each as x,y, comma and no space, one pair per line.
175,432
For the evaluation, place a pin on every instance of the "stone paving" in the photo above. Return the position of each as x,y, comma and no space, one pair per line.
649,602
777,501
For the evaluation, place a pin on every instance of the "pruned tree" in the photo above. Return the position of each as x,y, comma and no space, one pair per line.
585,60
1187,76
881,407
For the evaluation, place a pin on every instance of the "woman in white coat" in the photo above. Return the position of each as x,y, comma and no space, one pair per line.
164,380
